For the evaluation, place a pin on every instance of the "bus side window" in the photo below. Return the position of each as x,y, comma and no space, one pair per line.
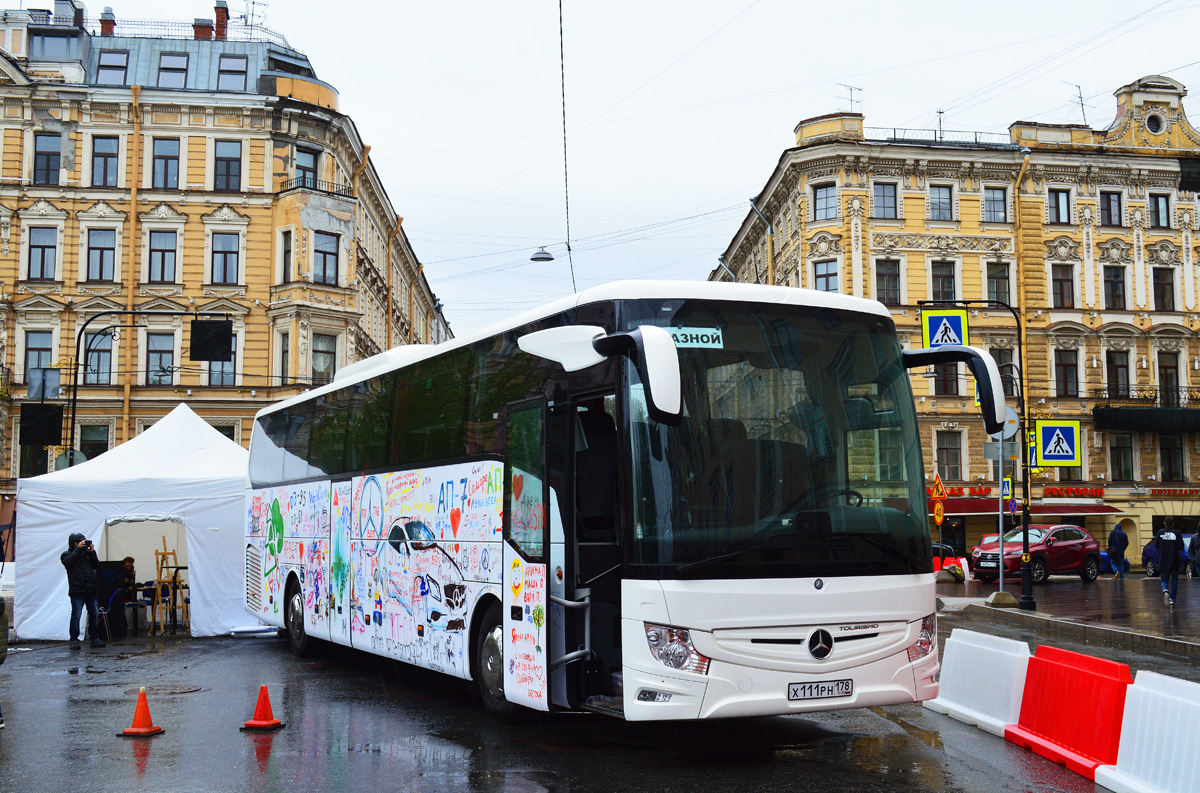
596,476
525,507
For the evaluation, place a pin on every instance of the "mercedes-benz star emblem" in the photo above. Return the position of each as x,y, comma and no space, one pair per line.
818,583
820,644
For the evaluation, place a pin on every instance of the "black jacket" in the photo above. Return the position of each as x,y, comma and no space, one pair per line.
1118,541
81,571
1169,544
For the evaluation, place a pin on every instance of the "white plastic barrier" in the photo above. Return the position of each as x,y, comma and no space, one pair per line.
1159,751
983,679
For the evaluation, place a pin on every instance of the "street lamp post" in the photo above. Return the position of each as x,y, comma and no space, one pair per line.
1027,602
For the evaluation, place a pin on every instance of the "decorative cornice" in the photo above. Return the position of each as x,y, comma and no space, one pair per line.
1163,252
825,244
224,291
1115,251
942,243
163,212
1062,248
42,209
100,211
160,291
226,214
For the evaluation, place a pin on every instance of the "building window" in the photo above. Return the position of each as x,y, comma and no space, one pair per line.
826,276
941,206
111,70
1070,473
222,373
172,70
1117,362
228,430
943,281
98,357
93,440
324,358
104,161
160,358
224,258
995,205
945,379
166,163
1062,285
1160,213
102,254
1110,209
825,202
231,73
43,253
1066,373
39,350
306,167
949,455
325,258
1114,287
285,358
997,282
46,152
891,456
1170,457
1120,456
1003,357
885,201
286,246
1060,206
228,166
162,256
1168,380
1164,289
887,281
52,47
34,460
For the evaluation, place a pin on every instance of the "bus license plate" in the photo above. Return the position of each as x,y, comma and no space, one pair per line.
829,688
985,564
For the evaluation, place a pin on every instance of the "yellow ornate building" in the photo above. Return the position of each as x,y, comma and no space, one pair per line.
1088,233
185,167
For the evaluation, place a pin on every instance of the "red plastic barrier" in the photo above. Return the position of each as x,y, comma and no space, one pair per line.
1072,709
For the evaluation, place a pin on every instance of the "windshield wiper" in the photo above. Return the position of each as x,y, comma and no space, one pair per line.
878,541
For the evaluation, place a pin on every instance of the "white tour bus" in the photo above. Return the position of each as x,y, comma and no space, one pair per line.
657,500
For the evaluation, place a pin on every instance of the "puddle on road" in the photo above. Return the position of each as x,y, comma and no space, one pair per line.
168,690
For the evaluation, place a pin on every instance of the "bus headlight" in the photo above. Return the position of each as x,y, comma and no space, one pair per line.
926,642
673,647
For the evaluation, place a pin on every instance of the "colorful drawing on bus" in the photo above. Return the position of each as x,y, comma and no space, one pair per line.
525,657
289,527
339,560
423,543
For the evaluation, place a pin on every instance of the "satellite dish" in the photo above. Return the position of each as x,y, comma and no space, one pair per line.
68,458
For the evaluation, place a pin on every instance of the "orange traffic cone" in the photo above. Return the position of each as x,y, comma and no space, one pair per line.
263,718
142,726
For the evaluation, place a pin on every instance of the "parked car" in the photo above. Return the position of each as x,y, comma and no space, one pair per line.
1150,559
1053,550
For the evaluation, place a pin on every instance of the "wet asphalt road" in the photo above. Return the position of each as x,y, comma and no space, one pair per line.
354,723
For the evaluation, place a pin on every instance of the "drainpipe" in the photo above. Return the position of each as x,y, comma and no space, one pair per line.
1019,250
131,245
770,244
412,302
352,276
390,239
725,267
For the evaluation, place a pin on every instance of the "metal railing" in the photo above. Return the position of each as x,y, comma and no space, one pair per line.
236,30
1126,395
901,134
308,183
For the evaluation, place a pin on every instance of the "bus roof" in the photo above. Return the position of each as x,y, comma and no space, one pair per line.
389,360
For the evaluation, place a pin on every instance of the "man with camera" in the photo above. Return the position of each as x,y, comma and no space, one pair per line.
81,562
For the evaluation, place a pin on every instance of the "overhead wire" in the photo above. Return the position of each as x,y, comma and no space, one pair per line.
562,67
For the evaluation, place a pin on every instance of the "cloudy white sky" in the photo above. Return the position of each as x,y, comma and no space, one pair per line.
676,110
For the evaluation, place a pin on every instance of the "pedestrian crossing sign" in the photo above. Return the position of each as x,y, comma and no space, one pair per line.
943,326
1006,488
1058,443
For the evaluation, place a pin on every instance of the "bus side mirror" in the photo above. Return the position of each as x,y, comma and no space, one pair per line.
982,365
568,345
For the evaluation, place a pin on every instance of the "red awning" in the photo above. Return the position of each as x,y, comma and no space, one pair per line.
989,506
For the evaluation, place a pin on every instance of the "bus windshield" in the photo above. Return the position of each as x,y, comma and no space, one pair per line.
798,454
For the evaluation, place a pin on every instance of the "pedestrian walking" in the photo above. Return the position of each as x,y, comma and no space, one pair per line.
1118,541
1194,553
81,562
1169,545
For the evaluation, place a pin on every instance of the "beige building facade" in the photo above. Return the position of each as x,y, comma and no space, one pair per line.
163,167
1087,233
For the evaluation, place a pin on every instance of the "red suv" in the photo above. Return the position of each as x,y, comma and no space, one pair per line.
1052,550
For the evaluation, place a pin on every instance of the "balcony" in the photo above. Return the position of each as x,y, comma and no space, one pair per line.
308,183
1146,408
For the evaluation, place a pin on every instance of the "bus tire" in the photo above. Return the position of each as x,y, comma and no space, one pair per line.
293,620
488,657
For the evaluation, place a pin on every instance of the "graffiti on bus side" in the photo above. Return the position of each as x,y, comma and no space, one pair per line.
289,526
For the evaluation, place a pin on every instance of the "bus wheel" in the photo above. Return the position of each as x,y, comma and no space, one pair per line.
489,664
293,618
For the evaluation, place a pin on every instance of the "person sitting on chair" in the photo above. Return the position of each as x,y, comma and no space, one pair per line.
130,582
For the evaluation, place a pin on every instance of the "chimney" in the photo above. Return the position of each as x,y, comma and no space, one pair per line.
222,12
108,21
202,29
79,15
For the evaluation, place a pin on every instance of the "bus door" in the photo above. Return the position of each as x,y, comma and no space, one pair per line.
525,557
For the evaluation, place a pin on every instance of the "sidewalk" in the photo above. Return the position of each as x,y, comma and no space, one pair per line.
1128,613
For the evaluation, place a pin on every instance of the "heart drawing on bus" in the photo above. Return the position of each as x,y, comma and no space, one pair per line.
455,519
518,486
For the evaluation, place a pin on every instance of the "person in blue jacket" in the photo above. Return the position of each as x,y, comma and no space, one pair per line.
1118,542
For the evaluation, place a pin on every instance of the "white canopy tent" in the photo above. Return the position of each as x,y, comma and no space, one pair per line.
180,478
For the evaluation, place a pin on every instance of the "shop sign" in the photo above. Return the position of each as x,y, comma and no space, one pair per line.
1060,492
961,491
1175,492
